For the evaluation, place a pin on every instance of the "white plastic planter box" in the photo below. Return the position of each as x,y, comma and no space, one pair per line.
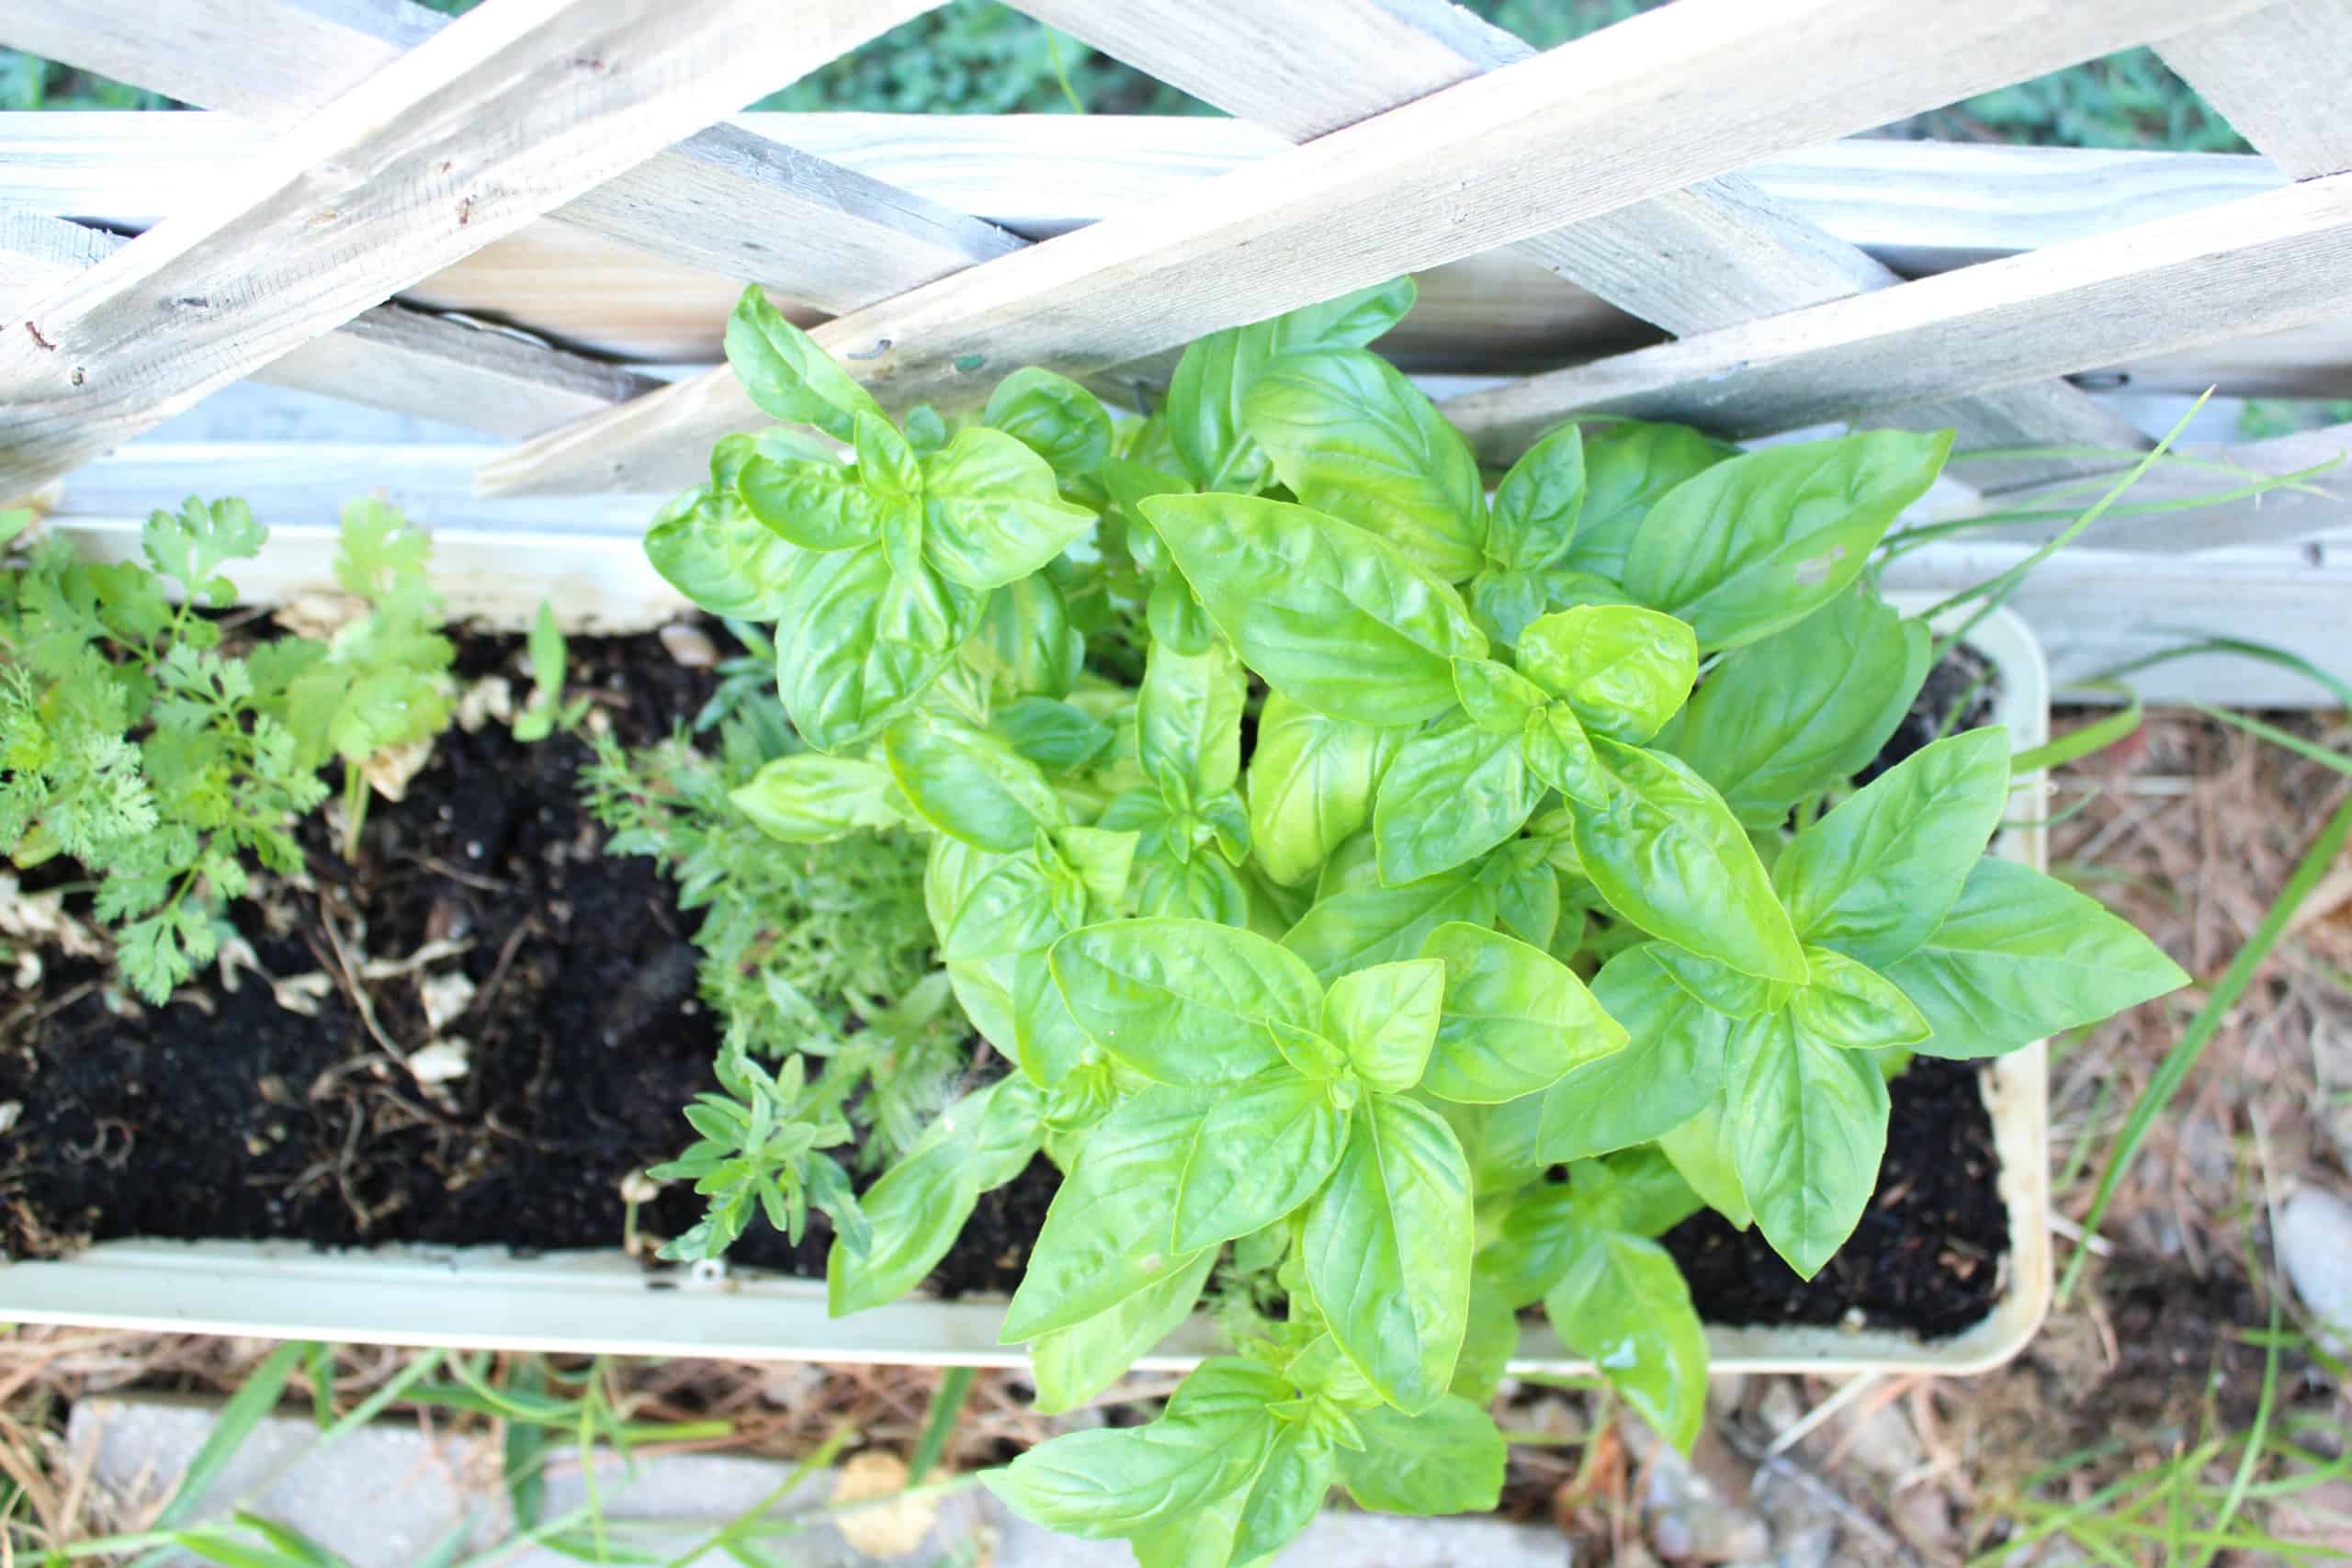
605,1302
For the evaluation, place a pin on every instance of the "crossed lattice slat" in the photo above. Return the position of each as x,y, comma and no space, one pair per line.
1607,161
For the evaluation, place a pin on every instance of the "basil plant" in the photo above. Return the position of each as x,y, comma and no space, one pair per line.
1402,891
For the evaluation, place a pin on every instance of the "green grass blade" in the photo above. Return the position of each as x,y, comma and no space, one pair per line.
2201,644
2281,738
2090,739
939,1425
524,1453
239,1417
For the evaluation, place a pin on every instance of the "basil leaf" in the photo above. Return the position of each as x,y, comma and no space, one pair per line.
1668,856
1537,504
1326,612
1054,417
857,643
1625,1308
783,371
818,505
1784,718
1120,1480
1700,1150
1515,1019
1527,903
1537,1242
1628,466
1453,794
1385,1018
1808,1131
1184,1001
1873,877
1025,643
1672,1065
1188,723
1763,540
1497,698
1446,1460
1175,617
984,905
1504,602
1056,736
2020,956
1487,1345
992,511
709,548
1072,1365
1107,1236
1287,1495
1311,782
1259,1150
1047,1043
1848,1005
731,453
1646,1195
813,799
918,1208
1366,925
1352,437
1386,1248
970,783
1727,991
1203,888
1623,672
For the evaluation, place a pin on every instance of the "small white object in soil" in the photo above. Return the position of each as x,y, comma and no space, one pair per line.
2315,1246
492,697
689,645
390,770
9,1110
638,1187
441,1061
445,997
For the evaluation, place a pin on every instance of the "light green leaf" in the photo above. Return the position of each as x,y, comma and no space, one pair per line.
1386,1248
1623,672
1447,1459
818,505
1497,698
1184,1001
992,511
1624,1307
1188,723
1538,501
1385,1018
1054,417
1873,877
709,548
1761,541
1847,1005
2020,956
1261,1149
1352,438
1371,924
1539,1237
984,905
1059,737
783,371
1201,888
918,1208
1672,1065
1488,1344
971,783
1515,1019
1628,466
808,798
1809,1128
1025,643
1287,1493
857,643
1700,1150
1072,1365
1453,794
1327,613
1311,784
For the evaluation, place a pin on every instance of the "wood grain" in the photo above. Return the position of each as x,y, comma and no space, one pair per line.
1651,105
511,110
2282,77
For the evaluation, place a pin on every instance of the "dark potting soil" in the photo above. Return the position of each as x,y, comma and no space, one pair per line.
225,1115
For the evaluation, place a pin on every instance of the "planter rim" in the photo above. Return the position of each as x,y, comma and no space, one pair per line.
603,1301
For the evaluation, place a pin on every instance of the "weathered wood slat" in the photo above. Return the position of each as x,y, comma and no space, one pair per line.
2261,265
391,357
725,200
1462,170
2281,76
512,110
1713,255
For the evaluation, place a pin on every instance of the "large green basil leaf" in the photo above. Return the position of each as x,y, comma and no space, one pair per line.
1387,1246
1538,1239
1025,643
1122,1481
1057,735
1285,1496
811,799
1072,1365
1447,1459
1184,1001
1259,1150
1515,1019
1761,542
1107,1236
1054,417
1350,438
1537,504
1373,924
1311,782
1327,613
1644,1194
984,905
1783,719
1628,466
1873,877
1453,794
1809,1129
1204,422
2020,956
1727,991
1667,854
918,1208
858,643
818,505
992,511
1497,698
1700,1150
1672,1065
1188,723
1385,1018
1623,672
709,548
1200,888
783,371
1624,1307
1047,1043
1848,1005
970,783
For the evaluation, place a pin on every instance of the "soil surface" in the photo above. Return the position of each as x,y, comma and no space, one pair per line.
225,1115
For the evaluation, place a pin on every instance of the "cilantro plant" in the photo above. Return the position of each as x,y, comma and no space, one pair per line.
133,740
1402,890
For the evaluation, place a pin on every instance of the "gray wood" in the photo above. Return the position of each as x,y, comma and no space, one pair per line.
2282,77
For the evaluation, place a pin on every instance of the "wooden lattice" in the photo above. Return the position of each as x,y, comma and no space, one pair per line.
374,177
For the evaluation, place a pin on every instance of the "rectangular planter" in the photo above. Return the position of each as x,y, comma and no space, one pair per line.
605,1302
